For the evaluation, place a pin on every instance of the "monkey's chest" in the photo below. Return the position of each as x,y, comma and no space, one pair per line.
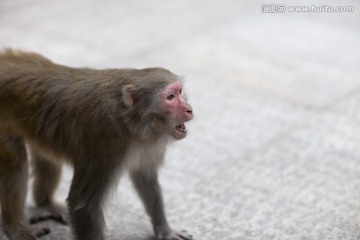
142,157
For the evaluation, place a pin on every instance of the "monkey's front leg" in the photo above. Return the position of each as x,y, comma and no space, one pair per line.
149,190
85,200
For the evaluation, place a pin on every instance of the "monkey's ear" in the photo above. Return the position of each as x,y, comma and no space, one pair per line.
128,95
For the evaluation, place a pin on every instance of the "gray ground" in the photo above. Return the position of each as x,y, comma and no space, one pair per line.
274,150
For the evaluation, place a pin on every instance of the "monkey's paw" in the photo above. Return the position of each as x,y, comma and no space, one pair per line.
54,212
182,235
26,232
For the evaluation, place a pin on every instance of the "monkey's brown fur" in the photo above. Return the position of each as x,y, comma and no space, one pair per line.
99,121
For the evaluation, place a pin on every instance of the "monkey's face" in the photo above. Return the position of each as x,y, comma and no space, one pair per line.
156,106
180,111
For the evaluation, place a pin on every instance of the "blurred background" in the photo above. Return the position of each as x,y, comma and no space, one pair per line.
274,149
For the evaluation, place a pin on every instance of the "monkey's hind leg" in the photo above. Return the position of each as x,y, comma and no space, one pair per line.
13,189
47,178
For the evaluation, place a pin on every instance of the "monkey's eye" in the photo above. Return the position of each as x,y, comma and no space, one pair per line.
180,91
170,96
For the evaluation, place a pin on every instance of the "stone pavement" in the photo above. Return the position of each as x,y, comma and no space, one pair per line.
274,149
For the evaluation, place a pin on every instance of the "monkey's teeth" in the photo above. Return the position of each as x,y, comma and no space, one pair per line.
181,128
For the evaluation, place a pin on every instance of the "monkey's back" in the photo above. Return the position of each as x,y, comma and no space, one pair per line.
56,105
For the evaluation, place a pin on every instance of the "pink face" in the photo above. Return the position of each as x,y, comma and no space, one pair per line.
180,110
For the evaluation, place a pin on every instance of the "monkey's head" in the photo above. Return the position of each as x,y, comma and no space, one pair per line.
156,104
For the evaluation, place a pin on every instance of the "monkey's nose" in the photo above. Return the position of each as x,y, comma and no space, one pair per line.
189,112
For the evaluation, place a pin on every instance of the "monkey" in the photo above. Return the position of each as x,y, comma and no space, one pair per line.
102,122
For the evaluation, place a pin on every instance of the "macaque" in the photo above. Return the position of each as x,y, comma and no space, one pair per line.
101,122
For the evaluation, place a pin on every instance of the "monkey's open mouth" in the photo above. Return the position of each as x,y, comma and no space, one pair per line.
181,128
